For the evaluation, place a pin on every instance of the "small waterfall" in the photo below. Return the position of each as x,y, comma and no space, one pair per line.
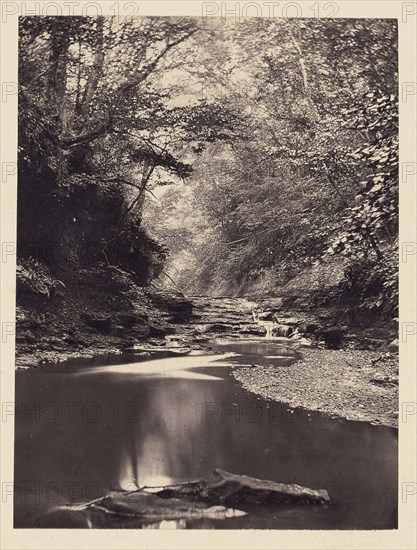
269,326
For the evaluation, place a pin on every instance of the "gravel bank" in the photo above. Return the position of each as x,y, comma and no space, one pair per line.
353,384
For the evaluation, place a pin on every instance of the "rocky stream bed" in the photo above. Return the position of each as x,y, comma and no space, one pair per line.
192,375
336,371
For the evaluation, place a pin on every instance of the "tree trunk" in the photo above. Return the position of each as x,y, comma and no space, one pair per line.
57,78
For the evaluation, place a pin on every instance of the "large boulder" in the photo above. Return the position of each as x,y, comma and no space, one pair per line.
332,338
282,330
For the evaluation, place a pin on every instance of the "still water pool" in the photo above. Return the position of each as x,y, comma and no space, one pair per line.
87,427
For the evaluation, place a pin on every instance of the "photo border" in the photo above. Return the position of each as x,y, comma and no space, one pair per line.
402,538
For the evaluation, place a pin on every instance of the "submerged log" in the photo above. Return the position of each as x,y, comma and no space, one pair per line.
225,487
215,497
149,506
137,508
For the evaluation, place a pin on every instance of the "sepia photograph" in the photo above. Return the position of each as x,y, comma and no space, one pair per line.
207,293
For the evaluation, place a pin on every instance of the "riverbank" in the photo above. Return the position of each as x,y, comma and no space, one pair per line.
353,384
91,314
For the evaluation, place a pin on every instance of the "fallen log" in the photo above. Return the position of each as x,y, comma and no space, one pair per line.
218,496
225,487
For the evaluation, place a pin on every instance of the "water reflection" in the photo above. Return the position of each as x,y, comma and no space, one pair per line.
120,427
165,367
173,524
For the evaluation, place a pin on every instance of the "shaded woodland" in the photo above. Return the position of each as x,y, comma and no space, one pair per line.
216,157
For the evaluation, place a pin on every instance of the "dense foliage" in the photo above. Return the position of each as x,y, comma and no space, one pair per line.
248,153
98,129
313,170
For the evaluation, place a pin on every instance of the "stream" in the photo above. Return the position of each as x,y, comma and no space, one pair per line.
89,426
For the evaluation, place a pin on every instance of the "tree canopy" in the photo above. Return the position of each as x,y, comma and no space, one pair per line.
243,150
